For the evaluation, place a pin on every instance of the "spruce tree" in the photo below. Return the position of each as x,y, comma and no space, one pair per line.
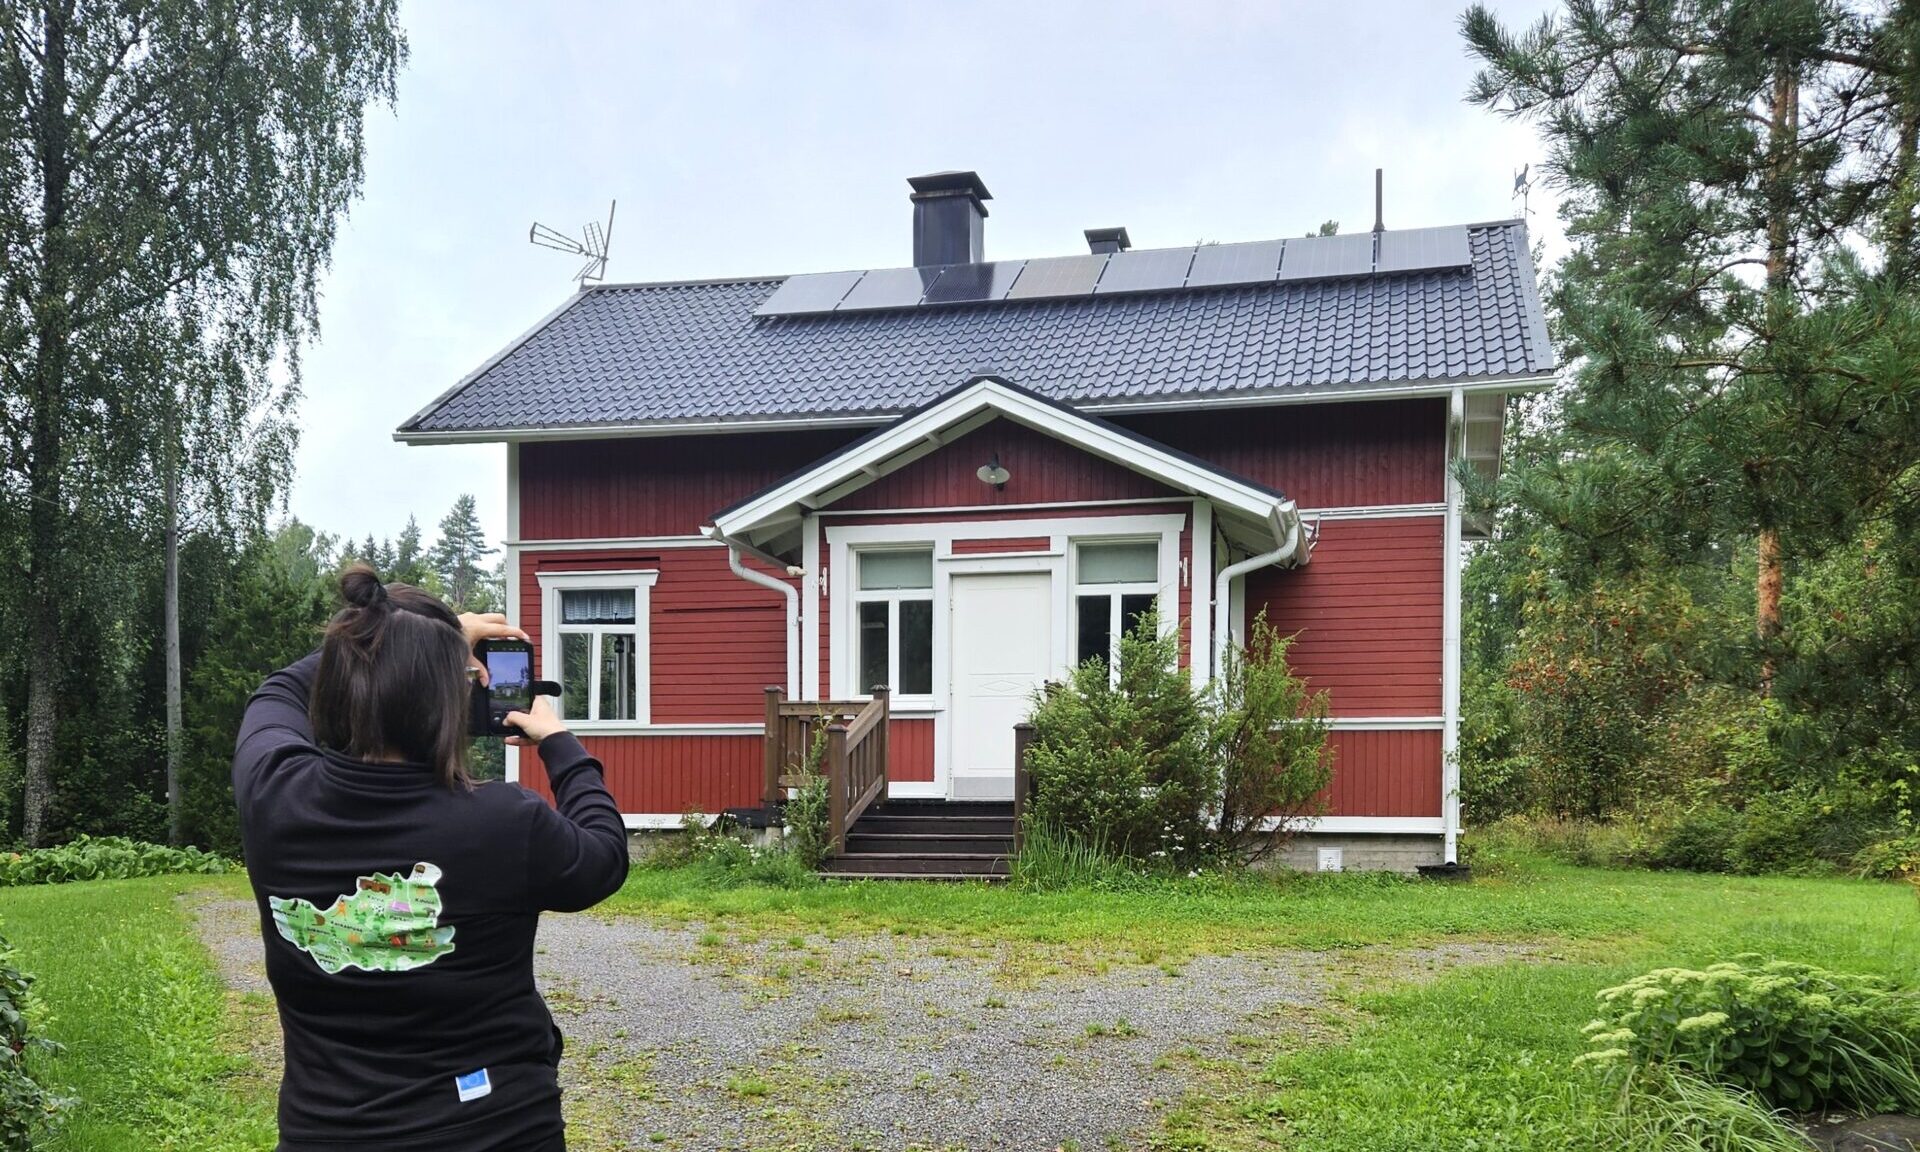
460,555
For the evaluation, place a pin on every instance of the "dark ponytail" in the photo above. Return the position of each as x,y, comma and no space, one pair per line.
392,681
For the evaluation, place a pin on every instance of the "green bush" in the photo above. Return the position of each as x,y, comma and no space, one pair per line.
1895,858
1584,843
26,1108
1805,830
104,858
715,847
1699,838
1125,757
1267,733
1798,1037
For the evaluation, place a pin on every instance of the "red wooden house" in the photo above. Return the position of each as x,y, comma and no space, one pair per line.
960,478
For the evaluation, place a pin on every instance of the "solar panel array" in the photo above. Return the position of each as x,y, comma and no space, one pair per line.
1149,270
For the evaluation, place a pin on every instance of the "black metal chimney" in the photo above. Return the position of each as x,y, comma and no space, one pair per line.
949,220
1102,240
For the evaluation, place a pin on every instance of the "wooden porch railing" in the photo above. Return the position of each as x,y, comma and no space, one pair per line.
855,761
1022,783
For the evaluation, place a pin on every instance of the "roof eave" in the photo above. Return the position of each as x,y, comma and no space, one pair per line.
1290,394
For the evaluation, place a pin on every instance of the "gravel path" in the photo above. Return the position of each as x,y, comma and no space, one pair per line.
695,1039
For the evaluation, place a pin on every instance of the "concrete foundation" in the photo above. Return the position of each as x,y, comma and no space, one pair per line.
1363,852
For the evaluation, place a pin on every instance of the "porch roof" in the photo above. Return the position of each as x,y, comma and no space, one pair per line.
1253,516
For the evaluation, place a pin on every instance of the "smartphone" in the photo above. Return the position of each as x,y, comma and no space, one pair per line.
510,685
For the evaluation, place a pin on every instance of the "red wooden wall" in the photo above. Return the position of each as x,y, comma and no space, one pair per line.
655,485
1042,470
1364,454
1367,609
716,640
666,775
1385,773
910,750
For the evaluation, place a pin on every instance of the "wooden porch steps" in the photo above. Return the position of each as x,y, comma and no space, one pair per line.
927,840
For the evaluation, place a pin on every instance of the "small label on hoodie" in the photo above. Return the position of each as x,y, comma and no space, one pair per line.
473,1085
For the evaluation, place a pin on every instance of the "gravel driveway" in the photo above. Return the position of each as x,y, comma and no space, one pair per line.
701,1039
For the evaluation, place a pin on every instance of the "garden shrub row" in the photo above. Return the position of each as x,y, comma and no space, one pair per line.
104,858
26,1107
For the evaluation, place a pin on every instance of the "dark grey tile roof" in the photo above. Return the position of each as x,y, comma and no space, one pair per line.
623,355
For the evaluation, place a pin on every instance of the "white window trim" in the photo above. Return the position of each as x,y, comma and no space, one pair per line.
1114,592
892,598
641,582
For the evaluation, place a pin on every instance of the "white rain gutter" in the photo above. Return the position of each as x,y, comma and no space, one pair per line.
785,589
1222,583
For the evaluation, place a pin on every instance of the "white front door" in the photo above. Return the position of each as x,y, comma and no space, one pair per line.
1002,649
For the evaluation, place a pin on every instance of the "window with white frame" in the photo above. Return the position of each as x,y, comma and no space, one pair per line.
1115,586
596,640
893,611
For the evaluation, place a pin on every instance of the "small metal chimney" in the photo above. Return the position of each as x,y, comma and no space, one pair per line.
1104,240
949,220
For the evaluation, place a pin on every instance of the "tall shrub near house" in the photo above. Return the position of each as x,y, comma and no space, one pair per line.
1268,735
1122,760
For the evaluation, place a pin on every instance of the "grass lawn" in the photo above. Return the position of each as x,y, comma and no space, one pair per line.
156,1048
1478,1059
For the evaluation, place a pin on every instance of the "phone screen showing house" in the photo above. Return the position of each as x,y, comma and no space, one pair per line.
510,679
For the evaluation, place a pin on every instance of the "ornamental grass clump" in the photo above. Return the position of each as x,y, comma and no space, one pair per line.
1795,1036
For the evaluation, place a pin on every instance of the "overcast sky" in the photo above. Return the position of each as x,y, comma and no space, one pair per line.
774,137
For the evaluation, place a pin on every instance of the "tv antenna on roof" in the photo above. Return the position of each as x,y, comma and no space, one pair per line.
1523,187
592,244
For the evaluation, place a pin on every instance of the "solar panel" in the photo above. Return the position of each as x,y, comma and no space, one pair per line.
1153,270
1326,257
1253,263
814,292
961,283
1058,276
890,288
1412,249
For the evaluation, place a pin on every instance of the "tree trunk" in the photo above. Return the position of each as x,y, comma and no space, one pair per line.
1783,129
45,462
170,596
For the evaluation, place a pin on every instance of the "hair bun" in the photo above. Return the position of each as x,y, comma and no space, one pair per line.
360,586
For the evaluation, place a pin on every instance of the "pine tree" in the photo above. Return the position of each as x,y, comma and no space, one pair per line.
1739,373
459,556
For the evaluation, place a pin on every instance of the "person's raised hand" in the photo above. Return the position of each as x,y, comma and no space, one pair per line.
535,724
478,626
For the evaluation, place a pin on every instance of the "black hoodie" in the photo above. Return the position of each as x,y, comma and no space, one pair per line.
399,918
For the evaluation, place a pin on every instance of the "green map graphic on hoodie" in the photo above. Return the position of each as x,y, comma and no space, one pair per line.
387,924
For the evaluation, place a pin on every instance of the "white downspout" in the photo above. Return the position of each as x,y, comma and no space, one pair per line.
785,589
1450,638
1222,583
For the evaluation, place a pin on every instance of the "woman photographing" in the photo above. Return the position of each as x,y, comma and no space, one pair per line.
398,898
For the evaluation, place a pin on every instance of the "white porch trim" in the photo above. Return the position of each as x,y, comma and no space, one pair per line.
776,510
1450,635
1386,723
589,543
843,540
1381,825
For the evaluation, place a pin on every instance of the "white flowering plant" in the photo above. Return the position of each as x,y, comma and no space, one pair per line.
1797,1036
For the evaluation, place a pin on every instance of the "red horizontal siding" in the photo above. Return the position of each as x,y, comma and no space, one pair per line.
910,750
653,486
1042,470
1357,454
1014,544
1368,614
1395,773
717,641
669,774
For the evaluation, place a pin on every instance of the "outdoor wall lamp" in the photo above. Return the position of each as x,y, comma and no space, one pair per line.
992,473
